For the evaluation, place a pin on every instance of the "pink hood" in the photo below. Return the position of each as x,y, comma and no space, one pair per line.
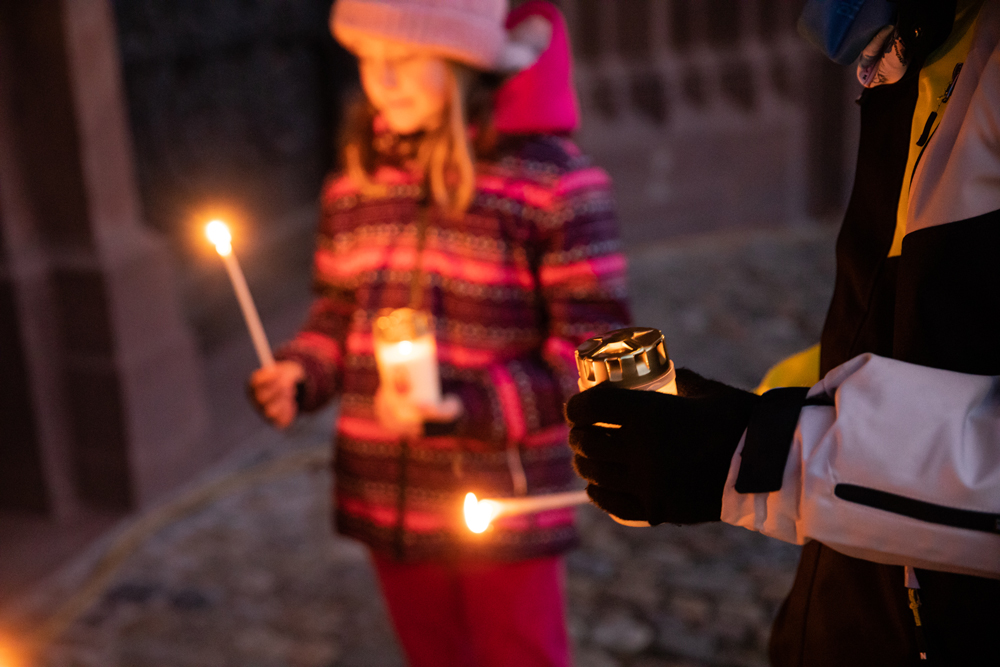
540,99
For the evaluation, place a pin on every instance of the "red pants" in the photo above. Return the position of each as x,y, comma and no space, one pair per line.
478,614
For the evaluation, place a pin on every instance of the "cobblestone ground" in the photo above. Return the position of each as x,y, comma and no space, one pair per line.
255,579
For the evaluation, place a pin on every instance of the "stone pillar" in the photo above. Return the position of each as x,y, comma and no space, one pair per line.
101,396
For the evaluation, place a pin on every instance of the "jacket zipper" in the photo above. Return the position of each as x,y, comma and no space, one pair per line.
929,128
985,522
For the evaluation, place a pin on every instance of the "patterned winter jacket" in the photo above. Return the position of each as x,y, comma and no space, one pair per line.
532,269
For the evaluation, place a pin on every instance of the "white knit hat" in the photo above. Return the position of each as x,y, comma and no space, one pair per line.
468,31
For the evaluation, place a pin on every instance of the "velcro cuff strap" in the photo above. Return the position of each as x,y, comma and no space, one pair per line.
440,429
300,394
768,440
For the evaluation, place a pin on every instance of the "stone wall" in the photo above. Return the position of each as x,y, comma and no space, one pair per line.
233,106
103,408
230,100
710,114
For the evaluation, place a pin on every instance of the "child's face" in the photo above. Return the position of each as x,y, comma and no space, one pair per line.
408,86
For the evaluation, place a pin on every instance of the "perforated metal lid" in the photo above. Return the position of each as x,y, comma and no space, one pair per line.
632,358
395,325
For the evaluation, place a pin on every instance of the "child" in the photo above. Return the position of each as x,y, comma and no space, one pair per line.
461,196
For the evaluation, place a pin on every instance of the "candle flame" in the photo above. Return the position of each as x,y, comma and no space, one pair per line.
479,514
405,348
218,233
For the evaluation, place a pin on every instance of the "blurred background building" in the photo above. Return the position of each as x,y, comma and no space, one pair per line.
126,124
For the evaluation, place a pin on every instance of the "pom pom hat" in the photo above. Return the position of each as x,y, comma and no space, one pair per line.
468,31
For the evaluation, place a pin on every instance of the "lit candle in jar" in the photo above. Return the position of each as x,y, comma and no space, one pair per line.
406,356
479,514
218,234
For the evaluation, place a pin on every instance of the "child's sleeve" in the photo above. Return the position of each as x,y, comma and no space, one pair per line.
318,348
582,271
581,274
319,345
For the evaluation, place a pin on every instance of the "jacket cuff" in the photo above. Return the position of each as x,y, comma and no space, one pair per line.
317,388
769,439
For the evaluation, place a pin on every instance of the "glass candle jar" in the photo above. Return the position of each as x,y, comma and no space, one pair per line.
406,355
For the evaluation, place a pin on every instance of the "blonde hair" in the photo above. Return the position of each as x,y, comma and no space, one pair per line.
444,155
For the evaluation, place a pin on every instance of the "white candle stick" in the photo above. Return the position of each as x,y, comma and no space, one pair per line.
218,234
479,514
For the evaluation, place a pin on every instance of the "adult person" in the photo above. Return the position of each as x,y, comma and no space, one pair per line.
888,468
462,196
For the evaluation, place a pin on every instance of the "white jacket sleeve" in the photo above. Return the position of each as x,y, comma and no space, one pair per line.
903,469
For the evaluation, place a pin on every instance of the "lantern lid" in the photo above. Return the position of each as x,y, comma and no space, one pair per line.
393,325
632,358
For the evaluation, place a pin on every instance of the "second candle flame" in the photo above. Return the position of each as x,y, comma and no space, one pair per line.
479,514
218,233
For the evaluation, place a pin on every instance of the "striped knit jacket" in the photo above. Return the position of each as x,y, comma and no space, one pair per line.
531,270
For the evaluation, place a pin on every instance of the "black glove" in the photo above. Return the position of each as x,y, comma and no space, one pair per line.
669,460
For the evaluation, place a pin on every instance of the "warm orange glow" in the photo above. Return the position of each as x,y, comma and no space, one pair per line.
479,514
218,233
10,656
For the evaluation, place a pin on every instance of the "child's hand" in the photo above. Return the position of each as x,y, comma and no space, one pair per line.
404,418
272,391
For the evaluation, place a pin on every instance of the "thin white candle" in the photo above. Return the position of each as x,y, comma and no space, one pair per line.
479,514
218,234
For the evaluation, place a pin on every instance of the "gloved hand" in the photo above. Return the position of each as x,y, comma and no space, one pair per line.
669,460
